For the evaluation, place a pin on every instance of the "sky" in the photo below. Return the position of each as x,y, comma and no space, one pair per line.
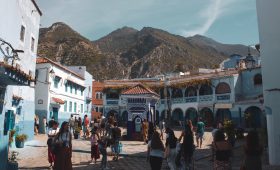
226,21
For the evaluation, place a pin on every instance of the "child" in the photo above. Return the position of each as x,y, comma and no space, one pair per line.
94,145
102,144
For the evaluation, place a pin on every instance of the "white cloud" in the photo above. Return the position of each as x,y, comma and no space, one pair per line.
211,13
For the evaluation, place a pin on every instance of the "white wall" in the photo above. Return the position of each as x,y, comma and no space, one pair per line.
269,26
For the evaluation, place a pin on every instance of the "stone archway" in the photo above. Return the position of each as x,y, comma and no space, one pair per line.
191,114
207,116
205,89
222,115
177,116
222,88
253,117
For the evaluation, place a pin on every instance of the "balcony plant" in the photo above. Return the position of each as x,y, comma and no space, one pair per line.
20,139
11,137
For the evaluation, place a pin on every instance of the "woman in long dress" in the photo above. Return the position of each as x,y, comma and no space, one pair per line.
63,142
51,134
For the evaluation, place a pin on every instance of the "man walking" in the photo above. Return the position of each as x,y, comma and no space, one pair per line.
199,132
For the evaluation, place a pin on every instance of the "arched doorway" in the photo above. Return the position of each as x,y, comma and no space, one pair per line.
177,116
222,115
207,116
253,117
205,89
222,88
124,118
191,114
190,91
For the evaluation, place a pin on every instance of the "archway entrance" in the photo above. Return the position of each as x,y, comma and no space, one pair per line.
222,115
191,114
253,117
177,116
207,116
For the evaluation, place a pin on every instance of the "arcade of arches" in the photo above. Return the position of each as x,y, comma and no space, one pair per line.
205,89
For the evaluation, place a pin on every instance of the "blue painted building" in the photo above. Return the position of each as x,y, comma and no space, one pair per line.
19,32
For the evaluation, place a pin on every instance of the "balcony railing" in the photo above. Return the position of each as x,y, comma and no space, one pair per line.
191,99
178,100
112,102
222,97
206,98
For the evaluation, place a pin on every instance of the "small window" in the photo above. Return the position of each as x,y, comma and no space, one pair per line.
82,108
75,89
32,44
65,106
258,79
82,92
71,88
101,95
22,33
66,88
56,81
70,106
97,95
75,107
96,109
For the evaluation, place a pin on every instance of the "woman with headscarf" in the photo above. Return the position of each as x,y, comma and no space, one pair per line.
155,152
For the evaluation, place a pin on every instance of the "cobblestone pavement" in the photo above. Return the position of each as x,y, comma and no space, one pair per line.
133,157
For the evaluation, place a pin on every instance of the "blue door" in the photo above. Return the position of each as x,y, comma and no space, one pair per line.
55,113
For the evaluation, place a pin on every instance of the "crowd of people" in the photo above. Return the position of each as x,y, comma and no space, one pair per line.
178,152
102,132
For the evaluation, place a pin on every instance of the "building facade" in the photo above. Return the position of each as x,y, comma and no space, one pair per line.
97,98
19,38
60,92
231,94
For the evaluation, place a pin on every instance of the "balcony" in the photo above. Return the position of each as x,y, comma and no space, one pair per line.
191,99
112,102
223,97
177,100
10,72
206,98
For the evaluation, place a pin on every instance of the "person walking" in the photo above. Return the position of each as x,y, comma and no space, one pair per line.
161,127
94,145
103,143
36,124
199,132
253,152
45,125
222,149
170,152
188,148
63,143
51,134
145,130
51,122
85,126
116,137
155,152
72,123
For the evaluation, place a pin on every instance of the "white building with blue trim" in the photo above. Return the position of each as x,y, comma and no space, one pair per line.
60,91
19,30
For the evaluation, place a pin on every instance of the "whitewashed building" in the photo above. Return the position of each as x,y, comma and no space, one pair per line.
269,26
59,91
19,29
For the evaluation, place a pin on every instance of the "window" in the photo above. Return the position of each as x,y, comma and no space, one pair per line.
71,88
65,106
75,107
97,95
82,108
56,81
22,33
82,92
32,44
101,95
70,106
96,109
258,79
66,87
75,89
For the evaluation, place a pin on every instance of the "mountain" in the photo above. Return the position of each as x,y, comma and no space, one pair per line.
129,53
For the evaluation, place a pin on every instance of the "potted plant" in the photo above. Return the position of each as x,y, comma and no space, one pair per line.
11,137
20,139
12,161
77,132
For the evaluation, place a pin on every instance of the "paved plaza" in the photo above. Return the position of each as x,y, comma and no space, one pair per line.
133,157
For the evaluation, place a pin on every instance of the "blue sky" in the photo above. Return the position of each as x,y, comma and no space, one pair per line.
227,21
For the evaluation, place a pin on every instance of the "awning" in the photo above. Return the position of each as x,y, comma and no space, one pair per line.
223,105
57,100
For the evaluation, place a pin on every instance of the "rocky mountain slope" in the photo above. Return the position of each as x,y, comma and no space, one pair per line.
129,53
